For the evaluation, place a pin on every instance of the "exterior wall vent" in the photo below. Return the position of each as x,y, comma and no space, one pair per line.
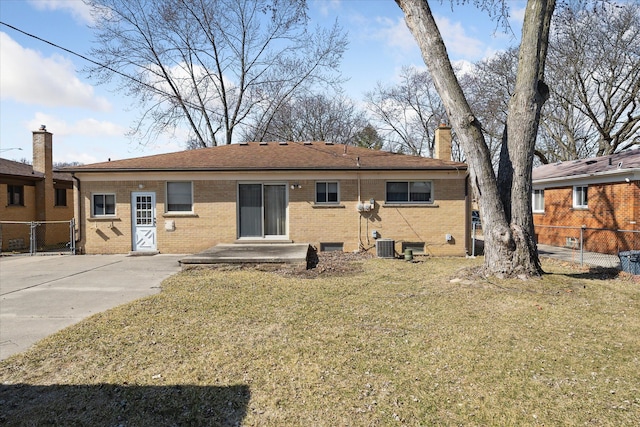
385,248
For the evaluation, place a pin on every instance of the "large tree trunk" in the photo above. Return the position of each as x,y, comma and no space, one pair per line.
508,224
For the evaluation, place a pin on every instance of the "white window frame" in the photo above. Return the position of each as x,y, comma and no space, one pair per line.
93,205
537,195
408,201
327,202
166,206
580,198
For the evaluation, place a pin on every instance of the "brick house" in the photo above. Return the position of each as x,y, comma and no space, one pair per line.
34,193
334,197
595,194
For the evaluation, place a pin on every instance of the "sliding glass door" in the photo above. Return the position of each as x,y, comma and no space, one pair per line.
262,210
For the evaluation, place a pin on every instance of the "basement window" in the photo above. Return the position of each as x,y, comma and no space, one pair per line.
417,248
331,247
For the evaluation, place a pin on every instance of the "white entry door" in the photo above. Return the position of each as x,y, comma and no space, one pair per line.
143,213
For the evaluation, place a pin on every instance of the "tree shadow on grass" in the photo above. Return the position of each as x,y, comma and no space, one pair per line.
114,405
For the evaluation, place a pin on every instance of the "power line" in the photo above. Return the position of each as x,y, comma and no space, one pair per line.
113,70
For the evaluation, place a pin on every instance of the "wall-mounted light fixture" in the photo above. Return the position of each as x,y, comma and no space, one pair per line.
295,185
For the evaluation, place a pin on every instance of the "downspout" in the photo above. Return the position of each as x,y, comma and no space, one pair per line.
77,211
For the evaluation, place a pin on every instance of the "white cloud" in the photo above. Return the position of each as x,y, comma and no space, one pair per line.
458,43
327,6
516,16
83,127
28,77
77,8
396,34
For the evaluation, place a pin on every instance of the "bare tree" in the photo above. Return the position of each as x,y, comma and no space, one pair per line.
321,117
504,201
595,50
488,89
407,112
206,64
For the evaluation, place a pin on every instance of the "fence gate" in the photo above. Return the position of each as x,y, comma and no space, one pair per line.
37,237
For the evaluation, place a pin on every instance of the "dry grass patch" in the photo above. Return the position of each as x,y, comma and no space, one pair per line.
391,343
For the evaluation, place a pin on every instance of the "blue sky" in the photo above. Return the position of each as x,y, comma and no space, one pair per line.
40,84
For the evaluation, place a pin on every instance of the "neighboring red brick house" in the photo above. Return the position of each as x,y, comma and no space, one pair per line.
334,197
34,193
595,193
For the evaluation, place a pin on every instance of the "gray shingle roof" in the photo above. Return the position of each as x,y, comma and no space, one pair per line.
623,161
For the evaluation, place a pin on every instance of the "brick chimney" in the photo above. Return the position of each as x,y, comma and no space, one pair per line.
43,163
442,146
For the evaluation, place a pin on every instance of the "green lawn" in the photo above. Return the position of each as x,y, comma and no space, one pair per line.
390,343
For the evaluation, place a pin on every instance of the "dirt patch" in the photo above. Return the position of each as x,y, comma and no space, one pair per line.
319,264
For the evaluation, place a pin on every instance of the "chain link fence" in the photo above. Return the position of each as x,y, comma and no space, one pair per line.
600,247
37,237
596,247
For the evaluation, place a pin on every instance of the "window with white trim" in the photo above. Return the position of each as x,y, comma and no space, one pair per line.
580,197
179,196
327,192
103,204
409,192
537,200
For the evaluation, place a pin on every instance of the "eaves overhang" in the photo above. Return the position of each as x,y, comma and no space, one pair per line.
618,175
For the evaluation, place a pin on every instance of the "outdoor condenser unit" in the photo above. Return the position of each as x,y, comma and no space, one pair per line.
385,248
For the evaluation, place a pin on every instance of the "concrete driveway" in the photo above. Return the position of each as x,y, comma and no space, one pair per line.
40,295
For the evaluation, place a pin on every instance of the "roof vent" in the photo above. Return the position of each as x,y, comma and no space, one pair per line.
328,143
244,143
590,162
283,143
263,142
307,143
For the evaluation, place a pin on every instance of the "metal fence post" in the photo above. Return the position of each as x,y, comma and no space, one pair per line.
72,236
473,240
33,239
582,246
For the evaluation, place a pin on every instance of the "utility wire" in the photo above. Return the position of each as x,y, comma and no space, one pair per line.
113,70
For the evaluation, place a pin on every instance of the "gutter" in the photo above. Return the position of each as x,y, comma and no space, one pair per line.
77,208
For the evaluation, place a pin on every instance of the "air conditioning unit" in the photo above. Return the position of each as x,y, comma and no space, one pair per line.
385,248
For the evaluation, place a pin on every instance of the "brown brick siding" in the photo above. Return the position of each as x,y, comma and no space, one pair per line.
613,206
215,217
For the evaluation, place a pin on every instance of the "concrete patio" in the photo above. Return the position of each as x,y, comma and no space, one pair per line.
241,253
